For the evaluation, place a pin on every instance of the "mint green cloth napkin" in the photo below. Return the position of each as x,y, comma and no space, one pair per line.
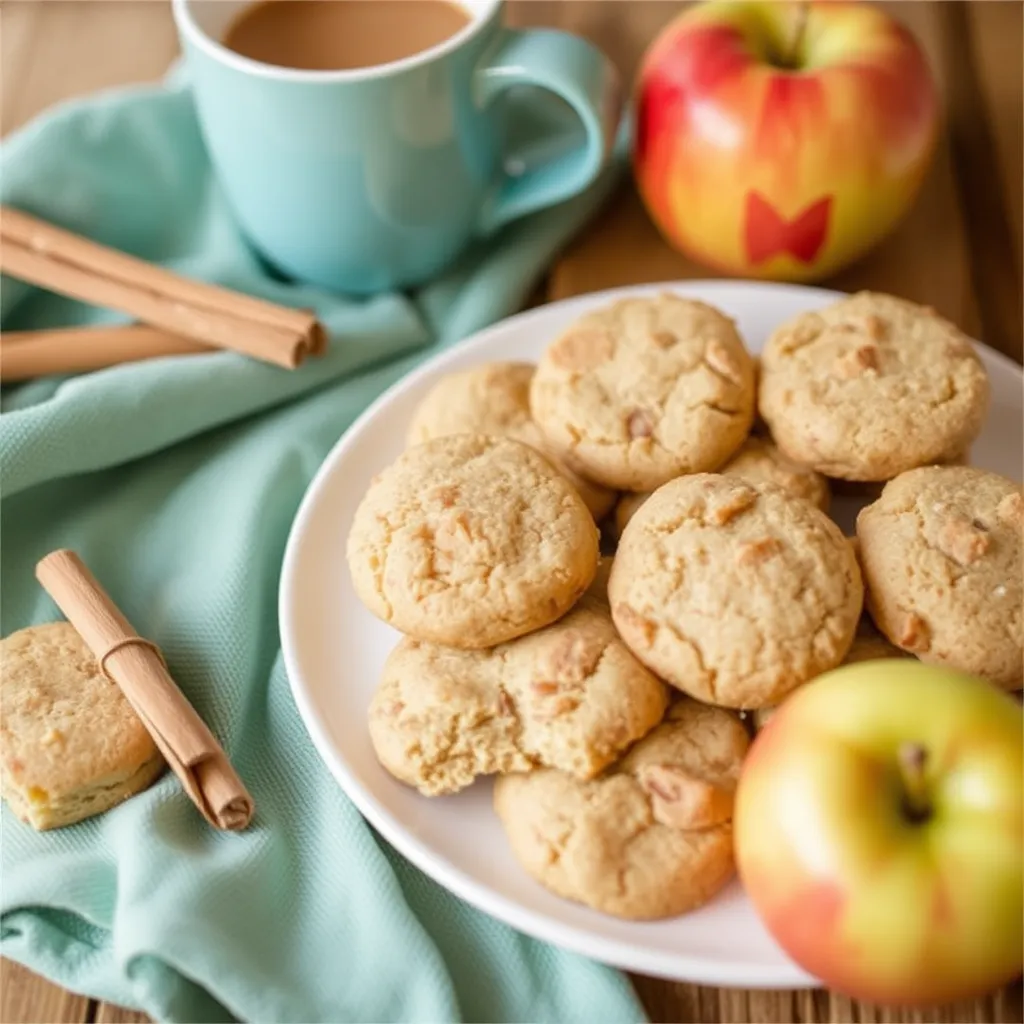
177,480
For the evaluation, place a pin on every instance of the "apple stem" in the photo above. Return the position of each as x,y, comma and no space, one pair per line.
912,758
792,58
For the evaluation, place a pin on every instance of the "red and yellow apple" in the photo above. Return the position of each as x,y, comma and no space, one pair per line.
879,831
780,139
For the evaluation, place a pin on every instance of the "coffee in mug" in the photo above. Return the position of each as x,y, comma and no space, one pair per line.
339,35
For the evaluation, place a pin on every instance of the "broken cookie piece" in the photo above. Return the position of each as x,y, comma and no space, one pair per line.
570,696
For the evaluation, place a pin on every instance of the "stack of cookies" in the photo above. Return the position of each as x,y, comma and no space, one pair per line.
608,694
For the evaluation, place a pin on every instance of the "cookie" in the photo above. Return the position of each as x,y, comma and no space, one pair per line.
571,696
734,594
758,461
941,553
494,399
645,390
868,645
70,744
651,838
470,541
870,387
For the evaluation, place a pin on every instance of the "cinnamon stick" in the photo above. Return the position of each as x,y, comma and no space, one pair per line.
28,354
42,254
137,667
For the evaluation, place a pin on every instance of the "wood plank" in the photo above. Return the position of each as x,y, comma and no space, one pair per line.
26,998
1008,1005
668,1001
621,28
108,1013
997,1007
19,23
990,201
997,41
64,48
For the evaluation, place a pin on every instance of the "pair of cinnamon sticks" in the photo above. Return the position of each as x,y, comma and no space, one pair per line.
137,667
181,315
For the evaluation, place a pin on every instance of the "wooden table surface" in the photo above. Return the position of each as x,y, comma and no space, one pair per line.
959,250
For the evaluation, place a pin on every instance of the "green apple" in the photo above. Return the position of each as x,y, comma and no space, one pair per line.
879,831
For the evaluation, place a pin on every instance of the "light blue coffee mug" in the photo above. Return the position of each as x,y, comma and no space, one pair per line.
378,177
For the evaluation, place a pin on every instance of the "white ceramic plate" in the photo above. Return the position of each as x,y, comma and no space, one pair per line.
334,650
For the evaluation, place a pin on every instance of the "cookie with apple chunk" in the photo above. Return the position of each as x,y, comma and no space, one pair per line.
651,838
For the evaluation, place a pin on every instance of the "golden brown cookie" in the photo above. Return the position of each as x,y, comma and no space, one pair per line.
70,744
571,696
652,837
758,461
732,593
941,552
494,399
470,541
870,387
644,390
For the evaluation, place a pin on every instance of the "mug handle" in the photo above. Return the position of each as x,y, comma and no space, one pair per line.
581,75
